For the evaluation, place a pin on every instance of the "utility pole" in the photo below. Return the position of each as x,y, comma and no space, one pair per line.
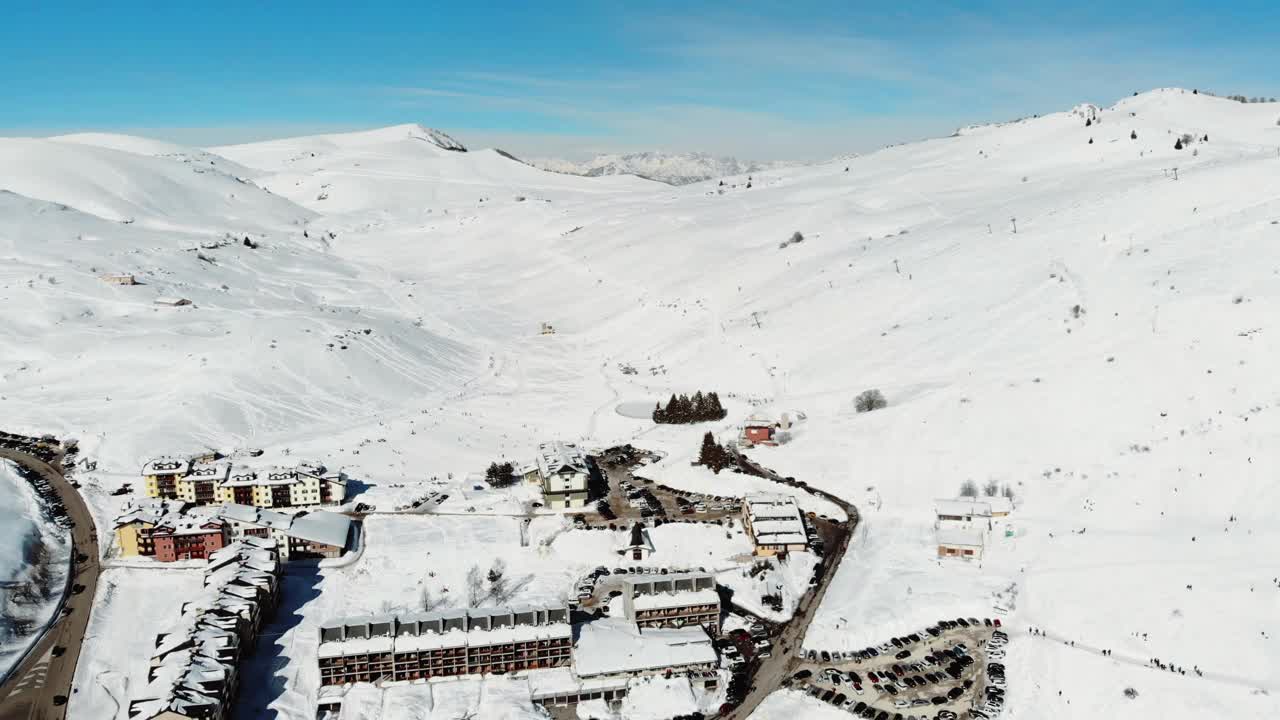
756,316
895,266
1014,220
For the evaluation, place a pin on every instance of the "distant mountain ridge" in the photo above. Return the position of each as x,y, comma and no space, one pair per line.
671,168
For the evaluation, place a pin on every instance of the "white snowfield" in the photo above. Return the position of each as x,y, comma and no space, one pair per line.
1113,362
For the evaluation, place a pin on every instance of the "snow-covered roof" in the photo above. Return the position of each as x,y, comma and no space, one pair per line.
555,457
770,506
214,470
320,526
153,511
960,536
1000,504
195,661
612,647
681,598
664,582
561,681
166,465
422,631
775,520
963,506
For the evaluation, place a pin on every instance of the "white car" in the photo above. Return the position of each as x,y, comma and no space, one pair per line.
901,703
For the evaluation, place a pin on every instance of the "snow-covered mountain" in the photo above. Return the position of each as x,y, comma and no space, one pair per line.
1045,304
671,168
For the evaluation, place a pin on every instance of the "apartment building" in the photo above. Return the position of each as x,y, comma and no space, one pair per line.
775,524
194,669
564,474
308,534
209,478
675,600
435,644
165,530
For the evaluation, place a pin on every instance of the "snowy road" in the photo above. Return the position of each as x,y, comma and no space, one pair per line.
40,678
773,670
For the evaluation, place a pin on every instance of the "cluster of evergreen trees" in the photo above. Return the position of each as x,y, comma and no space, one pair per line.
683,409
500,474
713,455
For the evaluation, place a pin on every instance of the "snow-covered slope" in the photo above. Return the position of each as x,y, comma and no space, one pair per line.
1112,360
125,186
404,168
671,168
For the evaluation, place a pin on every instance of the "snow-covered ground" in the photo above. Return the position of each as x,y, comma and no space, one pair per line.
1112,360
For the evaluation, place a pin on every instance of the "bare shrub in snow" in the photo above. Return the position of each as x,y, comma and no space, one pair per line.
991,489
969,488
475,586
1130,693
1007,492
869,400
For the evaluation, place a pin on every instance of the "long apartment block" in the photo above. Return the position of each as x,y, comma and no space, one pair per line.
208,479
453,642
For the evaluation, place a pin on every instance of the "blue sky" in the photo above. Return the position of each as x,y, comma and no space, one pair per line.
761,80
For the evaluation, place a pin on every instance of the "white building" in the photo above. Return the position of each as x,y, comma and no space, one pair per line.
564,473
960,542
617,647
674,600
774,523
305,535
963,511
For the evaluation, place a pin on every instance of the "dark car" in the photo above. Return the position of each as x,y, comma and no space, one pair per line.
954,693
882,715
892,690
854,677
859,707
903,655
838,700
77,589
59,699
896,642
826,696
909,681
58,650
986,621
803,674
934,631
913,637
938,700
962,622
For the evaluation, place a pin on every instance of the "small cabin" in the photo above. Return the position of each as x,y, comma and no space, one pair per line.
172,301
119,279
547,329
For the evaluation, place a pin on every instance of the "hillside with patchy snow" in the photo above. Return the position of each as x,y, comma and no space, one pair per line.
671,168
1041,302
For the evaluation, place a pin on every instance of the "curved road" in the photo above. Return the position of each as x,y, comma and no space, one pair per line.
29,692
787,647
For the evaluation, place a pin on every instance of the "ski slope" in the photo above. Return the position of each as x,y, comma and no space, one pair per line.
1112,360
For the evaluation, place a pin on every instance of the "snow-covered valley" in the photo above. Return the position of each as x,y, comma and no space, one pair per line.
1042,304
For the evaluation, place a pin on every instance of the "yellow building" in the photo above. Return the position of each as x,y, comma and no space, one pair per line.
134,525
160,476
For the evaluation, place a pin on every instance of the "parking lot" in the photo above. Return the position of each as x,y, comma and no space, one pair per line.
947,671
632,497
